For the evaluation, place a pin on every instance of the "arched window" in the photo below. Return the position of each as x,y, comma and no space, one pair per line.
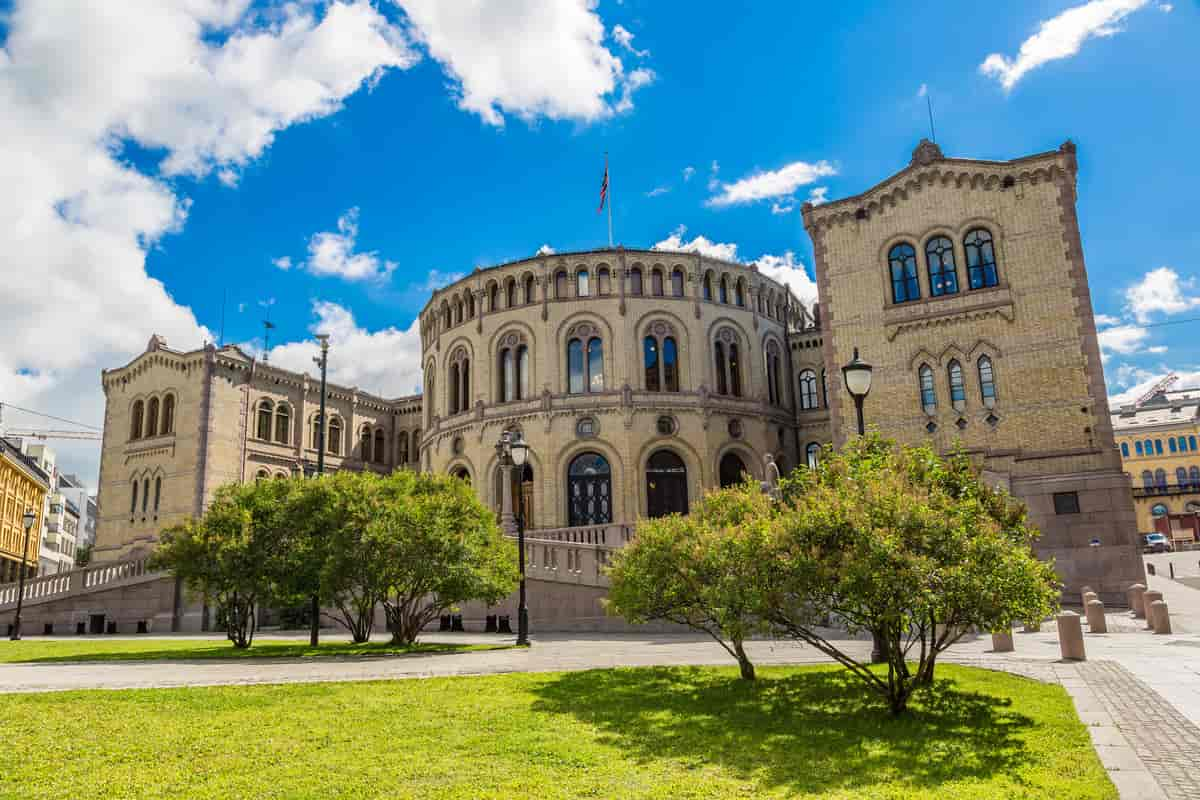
1194,478
1171,444
635,280
1147,479
585,365
510,293
470,303
677,282
462,474
335,436
1158,447
1149,447
1159,510
261,475
589,490
157,493
987,381
943,277
812,455
464,395
708,286
458,312
739,293
582,287
958,392
493,296
721,368
445,315
365,444
133,498
1138,446
824,389
266,411
604,280
1160,478
380,452
1125,449
735,371
808,390
670,365
732,470
650,363
666,485
902,260
723,291
1181,477
560,285
656,282
315,438
928,392
771,355
135,419
1192,443
168,414
152,417
522,372
283,423
454,382
402,448
1183,444
145,494
981,259
728,364
529,290
416,446
508,375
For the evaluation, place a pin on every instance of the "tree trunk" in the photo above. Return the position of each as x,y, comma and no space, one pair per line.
744,663
314,630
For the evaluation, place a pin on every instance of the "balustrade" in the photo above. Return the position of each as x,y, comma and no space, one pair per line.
77,581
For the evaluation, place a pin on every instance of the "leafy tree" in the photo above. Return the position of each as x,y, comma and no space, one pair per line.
704,570
435,546
904,544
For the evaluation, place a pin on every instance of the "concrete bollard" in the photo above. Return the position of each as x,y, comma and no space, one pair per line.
1095,617
1089,597
1070,636
1002,642
1159,617
1148,597
1135,600
1083,595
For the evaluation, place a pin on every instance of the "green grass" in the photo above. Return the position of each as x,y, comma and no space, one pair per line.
626,733
63,650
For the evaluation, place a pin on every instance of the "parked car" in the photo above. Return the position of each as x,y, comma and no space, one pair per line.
1156,543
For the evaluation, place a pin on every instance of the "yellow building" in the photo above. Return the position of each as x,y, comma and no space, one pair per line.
23,485
1159,440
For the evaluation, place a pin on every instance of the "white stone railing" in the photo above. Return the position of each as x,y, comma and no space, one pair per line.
573,555
91,578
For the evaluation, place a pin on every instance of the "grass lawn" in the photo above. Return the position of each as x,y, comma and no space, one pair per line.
626,733
57,650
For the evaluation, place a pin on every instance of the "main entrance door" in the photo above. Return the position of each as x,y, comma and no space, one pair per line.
666,485
589,490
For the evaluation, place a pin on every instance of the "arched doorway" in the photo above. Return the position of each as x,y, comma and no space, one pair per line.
589,490
732,470
462,474
666,485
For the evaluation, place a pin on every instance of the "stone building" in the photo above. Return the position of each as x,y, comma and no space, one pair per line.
642,378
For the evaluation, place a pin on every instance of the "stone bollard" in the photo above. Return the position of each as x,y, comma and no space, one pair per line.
1148,597
1087,598
1095,617
1159,618
1135,600
1070,636
1002,642
1083,595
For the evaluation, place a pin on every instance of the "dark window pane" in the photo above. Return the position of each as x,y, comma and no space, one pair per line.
575,366
650,363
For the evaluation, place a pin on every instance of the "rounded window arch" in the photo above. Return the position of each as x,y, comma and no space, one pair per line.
589,490
723,291
560,285
462,473
660,358
677,282
512,367
585,359
402,448
732,470
958,390
774,365
727,362
808,390
458,379
666,484
939,259
902,264
583,287
1194,478
168,414
1147,479
981,259
261,475
530,292
379,451
1160,478
335,436
469,299
283,423
987,381
739,293
136,420
364,438
603,282
708,286
152,417
812,455
635,281
493,293
928,390
656,282
266,412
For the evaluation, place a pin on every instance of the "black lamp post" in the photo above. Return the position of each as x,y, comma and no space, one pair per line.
314,631
513,453
857,376
28,520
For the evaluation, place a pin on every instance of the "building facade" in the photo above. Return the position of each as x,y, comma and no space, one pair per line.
23,485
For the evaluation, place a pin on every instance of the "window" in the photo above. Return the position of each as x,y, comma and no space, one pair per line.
1138,447
560,285
650,362
708,286
987,381
470,304
493,296
459,378
1066,502
928,392
316,431
265,412
735,371
1171,444
943,277
133,498
958,392
416,446
365,449
529,291
824,389
157,493
1194,478
677,282
1160,478
902,261
1147,479
670,365
722,375
808,390
774,395
283,423
1192,443
454,384
1149,447
981,259
585,365
335,436
1183,446
723,291
508,375
739,293
152,417
1125,449
656,282
510,293
168,414
812,455
604,281
135,422
402,448
458,312
582,287
635,280
522,372
380,452
1159,510
145,494
1158,447
1181,477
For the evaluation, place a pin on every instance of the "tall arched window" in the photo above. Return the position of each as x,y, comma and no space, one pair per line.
656,282
152,417
666,485
670,365
1181,477
808,390
510,293
458,312
416,446
585,363
582,287
283,423
812,455
981,259
635,280
1125,449
902,260
1158,447
560,285
774,396
365,444
708,286
529,290
335,436
723,291
677,282
508,375
168,414
470,297
958,392
379,450
943,277
464,395
266,411
604,281
522,372
133,498
739,293
650,363
145,494
1138,445
1194,477
589,490
1171,444
493,296
824,389
721,368
735,370
987,381
660,358
1160,478
315,439
454,384
1147,479
732,470
402,448
157,493
928,392
135,419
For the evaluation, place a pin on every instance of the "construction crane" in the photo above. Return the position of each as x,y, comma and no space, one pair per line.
1161,386
47,433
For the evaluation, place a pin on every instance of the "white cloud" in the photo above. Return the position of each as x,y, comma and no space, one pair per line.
688,172
332,253
713,170
283,262
1166,8
658,190
786,207
1104,320
818,195
624,38
386,362
784,269
777,183
1060,37
1160,291
201,81
526,57
1123,339
545,250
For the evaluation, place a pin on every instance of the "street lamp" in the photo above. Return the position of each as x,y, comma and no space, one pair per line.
857,375
513,452
314,631
28,519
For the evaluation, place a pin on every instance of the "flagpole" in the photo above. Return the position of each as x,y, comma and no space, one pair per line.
606,172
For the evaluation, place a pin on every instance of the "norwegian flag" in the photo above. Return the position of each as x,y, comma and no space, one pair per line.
603,188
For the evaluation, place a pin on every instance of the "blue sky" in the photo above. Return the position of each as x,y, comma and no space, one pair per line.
378,149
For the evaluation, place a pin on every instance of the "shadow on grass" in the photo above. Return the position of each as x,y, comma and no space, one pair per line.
214,651
816,730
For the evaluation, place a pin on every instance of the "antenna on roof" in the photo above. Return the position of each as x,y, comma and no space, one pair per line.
929,106
267,326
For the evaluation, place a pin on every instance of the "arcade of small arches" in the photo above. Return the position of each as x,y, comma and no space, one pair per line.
152,416
273,421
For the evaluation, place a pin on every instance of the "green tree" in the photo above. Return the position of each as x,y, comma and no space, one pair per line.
705,570
906,545
436,546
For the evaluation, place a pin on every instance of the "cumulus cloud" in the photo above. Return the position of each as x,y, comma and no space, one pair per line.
713,170
771,184
333,253
545,250
1123,339
1159,291
1133,382
818,196
528,58
786,207
1060,37
688,172
624,38
205,84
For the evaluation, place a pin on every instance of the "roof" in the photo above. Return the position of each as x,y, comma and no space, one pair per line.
24,463
1165,409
